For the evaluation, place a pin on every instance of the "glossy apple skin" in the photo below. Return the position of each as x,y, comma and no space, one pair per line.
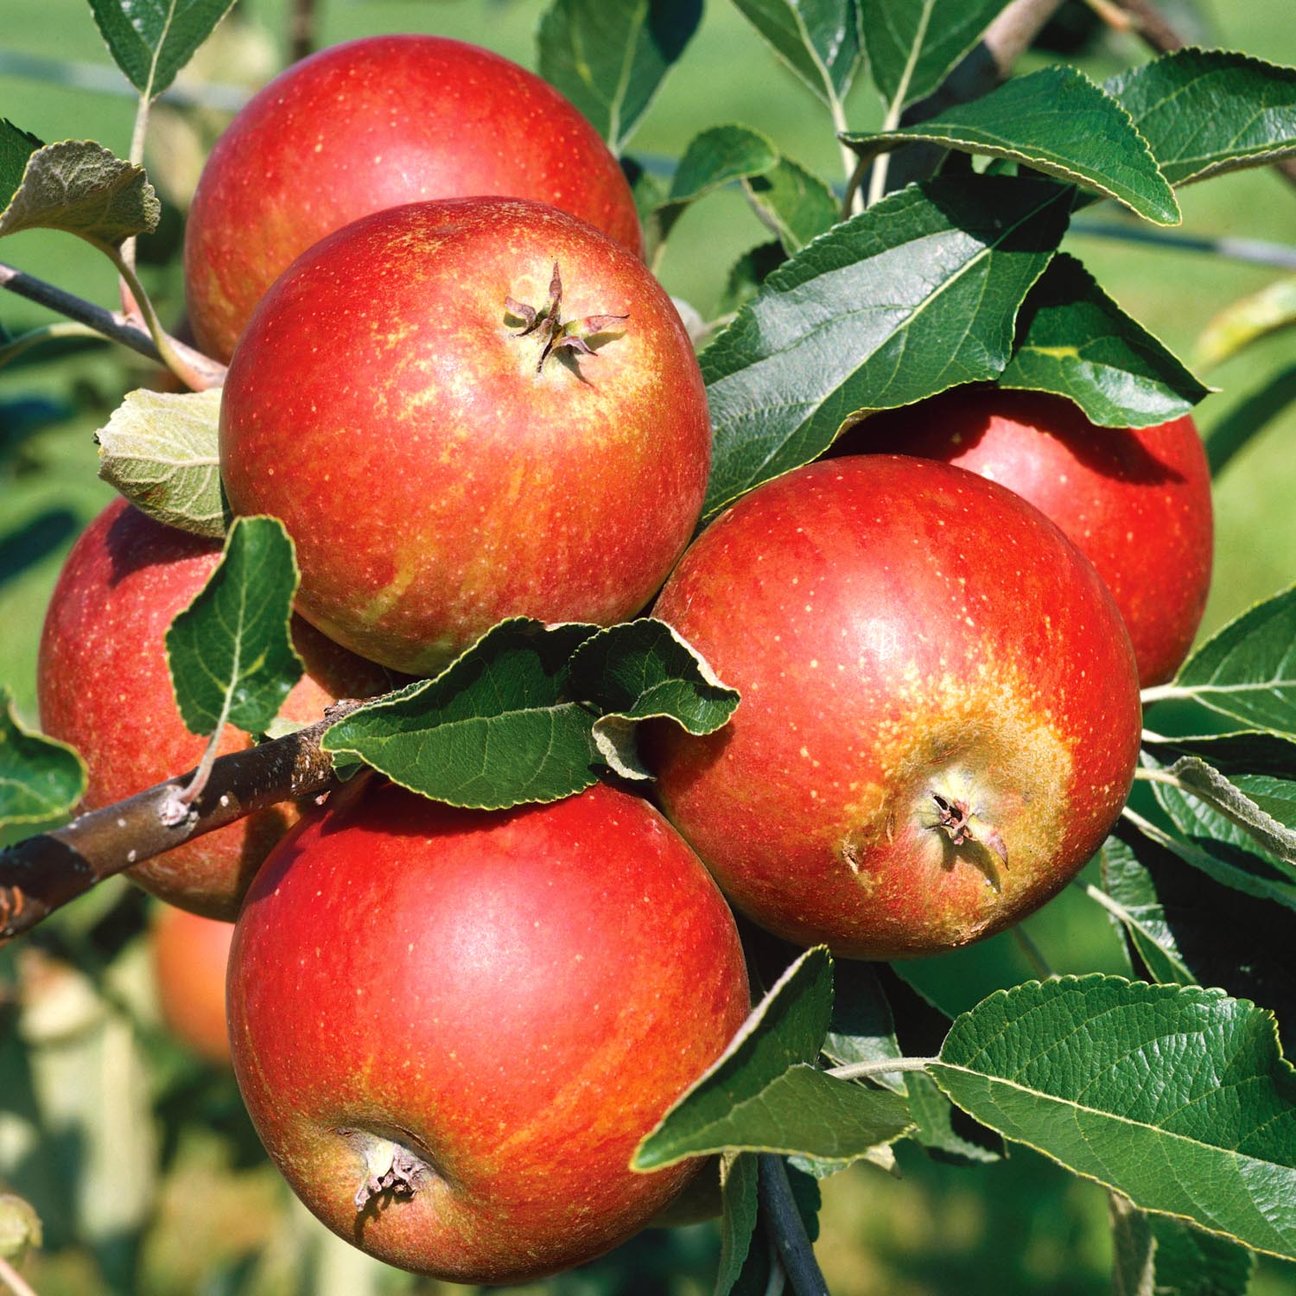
516,997
897,629
376,123
1136,501
104,687
435,480
190,956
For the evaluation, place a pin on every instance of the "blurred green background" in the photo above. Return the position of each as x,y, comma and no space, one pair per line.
137,1154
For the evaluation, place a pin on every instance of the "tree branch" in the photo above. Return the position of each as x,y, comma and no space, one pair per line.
45,872
113,325
788,1229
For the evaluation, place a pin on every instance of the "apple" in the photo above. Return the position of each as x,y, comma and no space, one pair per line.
463,411
103,686
375,123
1136,501
940,707
190,955
451,1028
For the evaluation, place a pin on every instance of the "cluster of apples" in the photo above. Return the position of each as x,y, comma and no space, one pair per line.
452,1027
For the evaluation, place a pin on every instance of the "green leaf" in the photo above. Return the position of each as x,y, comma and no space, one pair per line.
160,450
935,1117
1248,811
913,44
16,148
496,728
40,778
818,39
610,59
795,204
644,670
917,294
230,651
1208,111
151,40
1189,929
1242,870
1076,342
1177,1097
747,274
1247,670
1255,316
862,1029
1058,122
739,1188
761,1094
82,188
1248,752
718,155
1156,1254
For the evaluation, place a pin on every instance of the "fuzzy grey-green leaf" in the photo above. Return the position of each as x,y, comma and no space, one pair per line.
82,188
161,451
1177,1097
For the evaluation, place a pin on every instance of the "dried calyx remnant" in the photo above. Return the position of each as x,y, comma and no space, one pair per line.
389,1168
962,824
547,324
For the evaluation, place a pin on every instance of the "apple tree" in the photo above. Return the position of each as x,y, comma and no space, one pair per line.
933,273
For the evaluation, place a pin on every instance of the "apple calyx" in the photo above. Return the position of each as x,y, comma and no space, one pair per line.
547,324
955,817
388,1168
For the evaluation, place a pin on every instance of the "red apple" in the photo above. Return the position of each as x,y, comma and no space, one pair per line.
104,687
376,123
940,707
190,955
442,465
452,1028
1136,501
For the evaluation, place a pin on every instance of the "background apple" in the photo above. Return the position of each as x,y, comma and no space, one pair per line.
1136,501
440,470
940,709
375,123
472,1018
190,955
104,687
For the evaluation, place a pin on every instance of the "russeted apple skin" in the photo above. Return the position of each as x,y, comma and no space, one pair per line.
103,686
190,955
375,123
516,997
434,477
897,629
1136,501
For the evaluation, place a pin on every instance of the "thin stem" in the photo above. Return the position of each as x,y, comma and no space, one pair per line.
136,159
1034,955
788,1229
1148,775
14,1280
882,163
301,30
110,324
849,161
879,1066
1099,896
1281,256
1163,693
195,377
15,347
